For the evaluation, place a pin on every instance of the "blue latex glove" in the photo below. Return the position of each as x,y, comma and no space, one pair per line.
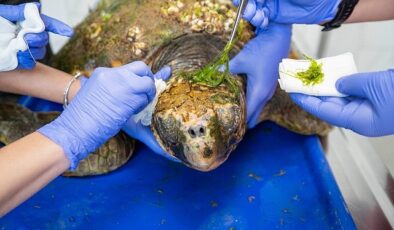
370,109
259,12
259,60
144,133
101,108
37,42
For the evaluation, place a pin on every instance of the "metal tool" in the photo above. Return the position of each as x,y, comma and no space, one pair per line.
18,29
240,12
31,54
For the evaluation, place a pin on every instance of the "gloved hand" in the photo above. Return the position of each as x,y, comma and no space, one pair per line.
100,109
370,109
259,12
36,42
144,133
259,60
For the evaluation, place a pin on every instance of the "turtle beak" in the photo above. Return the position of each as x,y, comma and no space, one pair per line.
204,150
207,167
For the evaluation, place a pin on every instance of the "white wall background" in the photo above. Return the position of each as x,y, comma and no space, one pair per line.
71,12
371,43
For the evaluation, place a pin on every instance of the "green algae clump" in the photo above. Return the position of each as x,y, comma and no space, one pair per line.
217,72
313,75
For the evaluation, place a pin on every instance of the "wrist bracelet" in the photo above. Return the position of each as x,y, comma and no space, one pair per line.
67,89
345,9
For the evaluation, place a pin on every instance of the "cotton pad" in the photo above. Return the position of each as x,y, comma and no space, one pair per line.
145,116
12,36
332,67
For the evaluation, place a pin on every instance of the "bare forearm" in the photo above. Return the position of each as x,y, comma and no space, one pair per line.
35,159
35,162
42,82
372,10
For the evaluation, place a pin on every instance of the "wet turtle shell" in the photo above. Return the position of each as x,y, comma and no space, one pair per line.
17,121
199,125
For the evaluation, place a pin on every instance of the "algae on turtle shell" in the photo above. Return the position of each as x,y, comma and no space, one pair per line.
197,123
138,27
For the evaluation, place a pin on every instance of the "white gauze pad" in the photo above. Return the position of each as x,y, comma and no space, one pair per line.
332,67
12,36
145,116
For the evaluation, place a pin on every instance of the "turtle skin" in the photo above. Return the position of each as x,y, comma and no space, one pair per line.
17,121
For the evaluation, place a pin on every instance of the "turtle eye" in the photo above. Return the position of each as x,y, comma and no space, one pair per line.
229,118
168,129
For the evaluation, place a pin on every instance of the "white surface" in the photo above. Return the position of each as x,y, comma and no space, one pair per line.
332,67
145,116
71,12
371,43
12,36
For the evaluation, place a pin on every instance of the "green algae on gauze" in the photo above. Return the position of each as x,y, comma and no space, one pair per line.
313,75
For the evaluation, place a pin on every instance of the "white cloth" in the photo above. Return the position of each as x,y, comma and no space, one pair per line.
145,116
12,36
332,67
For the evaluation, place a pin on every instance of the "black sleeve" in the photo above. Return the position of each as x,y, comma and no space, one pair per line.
16,2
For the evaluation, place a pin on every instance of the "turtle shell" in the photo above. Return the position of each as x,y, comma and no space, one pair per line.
119,32
17,121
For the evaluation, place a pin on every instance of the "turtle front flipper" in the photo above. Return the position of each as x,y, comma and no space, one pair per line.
17,121
110,156
284,112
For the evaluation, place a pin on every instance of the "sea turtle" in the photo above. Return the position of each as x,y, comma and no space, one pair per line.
198,124
202,125
17,121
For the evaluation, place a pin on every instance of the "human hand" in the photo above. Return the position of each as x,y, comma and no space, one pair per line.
37,42
368,111
101,108
144,133
259,12
259,60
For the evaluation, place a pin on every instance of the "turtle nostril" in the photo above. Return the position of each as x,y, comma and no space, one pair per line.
196,131
192,133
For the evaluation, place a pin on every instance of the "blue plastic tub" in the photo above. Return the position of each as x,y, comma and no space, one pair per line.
275,179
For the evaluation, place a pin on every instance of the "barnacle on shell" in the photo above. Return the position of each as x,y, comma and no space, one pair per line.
211,16
135,35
